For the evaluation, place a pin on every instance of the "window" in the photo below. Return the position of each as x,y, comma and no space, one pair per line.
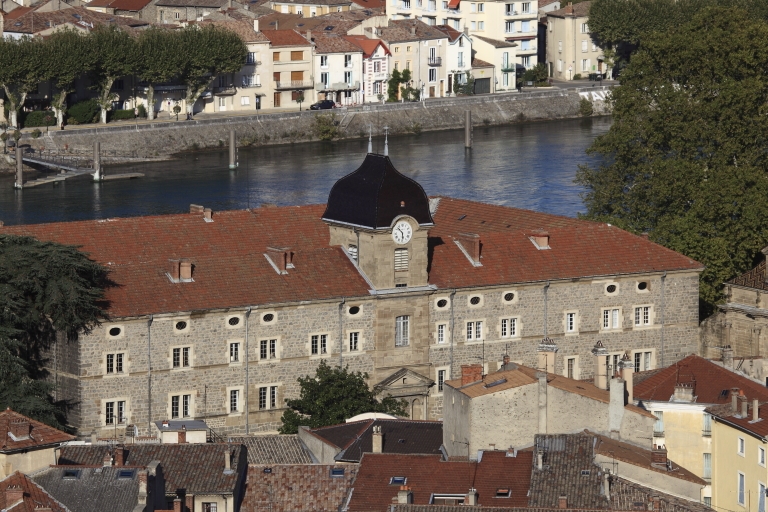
250,58
761,497
275,56
408,63
472,7
263,398
376,87
347,61
560,65
570,322
584,28
642,316
209,507
480,25
708,501
401,258
114,363
176,15
297,55
526,6
461,59
354,339
526,61
509,27
245,100
181,357
433,75
441,333
234,352
707,475
398,480
181,406
551,26
114,412
377,67
740,495
234,400
348,77
740,446
319,344
585,64
560,46
594,47
584,46
401,331
473,25
570,367
525,26
299,10
324,78
272,397
268,397
761,455
706,429
525,45
323,61
611,319
509,9
440,380
658,427
480,7
475,330
508,326
337,472
268,349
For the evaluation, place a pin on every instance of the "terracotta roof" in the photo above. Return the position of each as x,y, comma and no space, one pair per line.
368,45
428,474
495,42
32,22
371,4
33,497
453,4
284,37
759,428
241,28
192,3
38,434
477,63
625,495
711,382
317,2
399,436
333,44
274,449
120,5
754,278
449,31
181,463
544,3
640,457
401,31
579,10
94,488
18,11
297,488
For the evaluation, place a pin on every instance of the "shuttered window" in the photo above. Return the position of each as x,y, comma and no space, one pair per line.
297,55
297,75
401,259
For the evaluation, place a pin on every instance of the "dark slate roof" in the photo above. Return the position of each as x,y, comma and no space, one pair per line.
297,488
94,489
400,436
181,463
274,449
375,194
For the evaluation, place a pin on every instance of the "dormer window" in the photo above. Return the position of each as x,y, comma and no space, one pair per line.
398,480
503,493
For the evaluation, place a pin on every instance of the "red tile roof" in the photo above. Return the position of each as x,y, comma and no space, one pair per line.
285,38
120,5
428,474
33,496
711,382
371,4
578,11
759,428
368,45
39,434
754,278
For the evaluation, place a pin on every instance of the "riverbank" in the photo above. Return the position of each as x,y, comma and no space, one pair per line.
164,140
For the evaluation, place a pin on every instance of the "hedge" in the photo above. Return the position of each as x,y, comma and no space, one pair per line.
40,118
83,112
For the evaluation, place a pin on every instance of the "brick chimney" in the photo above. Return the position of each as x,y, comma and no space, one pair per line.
404,495
107,460
13,495
119,456
659,456
282,257
471,373
656,504
541,238
471,243
562,502
185,269
377,439
734,400
743,404
181,437
174,269
142,477
20,428
177,505
190,501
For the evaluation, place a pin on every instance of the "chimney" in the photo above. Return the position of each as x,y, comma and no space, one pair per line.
107,461
541,238
255,25
472,498
734,400
562,502
404,495
190,501
601,365
755,410
684,392
20,428
174,269
196,208
607,485
505,362
743,402
728,356
207,214
181,437
282,257
309,36
656,504
119,456
377,439
542,377
471,243
177,505
471,373
659,456
13,495
627,370
539,459
142,477
227,460
413,29
547,349
275,24
185,269
616,407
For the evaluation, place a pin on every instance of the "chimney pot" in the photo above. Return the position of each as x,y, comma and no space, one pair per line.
207,214
755,410
659,456
185,269
177,505
377,439
471,373
119,456
627,370
601,365
196,208
684,392
472,498
227,460
562,502
734,400
13,495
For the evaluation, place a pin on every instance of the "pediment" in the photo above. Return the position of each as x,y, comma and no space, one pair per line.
405,382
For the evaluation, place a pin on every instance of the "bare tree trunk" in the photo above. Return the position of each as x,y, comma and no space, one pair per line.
150,102
105,102
59,106
193,94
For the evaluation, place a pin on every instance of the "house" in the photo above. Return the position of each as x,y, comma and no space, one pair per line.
458,56
535,402
424,285
20,494
311,8
27,445
290,59
40,22
338,64
140,9
179,11
375,66
501,55
679,395
349,441
185,431
570,48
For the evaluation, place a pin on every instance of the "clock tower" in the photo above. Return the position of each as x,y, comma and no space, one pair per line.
381,219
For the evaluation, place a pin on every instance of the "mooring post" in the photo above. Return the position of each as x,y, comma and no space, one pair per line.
232,150
19,167
467,128
97,176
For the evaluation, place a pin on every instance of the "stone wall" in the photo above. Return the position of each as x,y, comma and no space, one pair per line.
164,139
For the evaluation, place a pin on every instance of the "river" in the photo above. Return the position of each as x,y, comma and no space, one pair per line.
529,165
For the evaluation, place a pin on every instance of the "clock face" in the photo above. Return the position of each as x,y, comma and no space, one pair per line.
402,232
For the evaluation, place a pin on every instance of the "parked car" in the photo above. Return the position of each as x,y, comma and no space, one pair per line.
322,105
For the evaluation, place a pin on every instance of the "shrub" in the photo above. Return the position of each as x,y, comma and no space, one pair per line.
36,133
83,112
577,76
40,118
585,108
119,115
325,126
142,111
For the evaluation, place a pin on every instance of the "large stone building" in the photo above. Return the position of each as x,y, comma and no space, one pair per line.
214,315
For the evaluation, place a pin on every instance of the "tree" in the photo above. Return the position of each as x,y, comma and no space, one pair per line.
393,85
114,56
159,58
20,72
332,396
67,56
207,52
685,159
300,98
49,293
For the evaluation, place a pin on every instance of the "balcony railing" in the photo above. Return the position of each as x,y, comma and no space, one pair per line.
251,85
435,61
228,90
294,84
405,6
337,86
461,64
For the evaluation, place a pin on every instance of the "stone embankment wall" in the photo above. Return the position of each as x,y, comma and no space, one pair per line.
153,140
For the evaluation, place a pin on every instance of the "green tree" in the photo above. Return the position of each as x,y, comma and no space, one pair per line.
159,56
207,52
114,56
49,293
20,72
393,85
333,395
685,159
67,56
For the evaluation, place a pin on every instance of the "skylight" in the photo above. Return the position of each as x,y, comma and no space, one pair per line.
495,383
503,493
337,472
398,480
71,474
125,473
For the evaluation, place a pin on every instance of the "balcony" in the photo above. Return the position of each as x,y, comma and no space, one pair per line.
380,76
294,84
337,86
435,61
228,90
406,6
250,85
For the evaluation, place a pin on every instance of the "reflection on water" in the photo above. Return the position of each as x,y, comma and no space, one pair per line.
530,166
